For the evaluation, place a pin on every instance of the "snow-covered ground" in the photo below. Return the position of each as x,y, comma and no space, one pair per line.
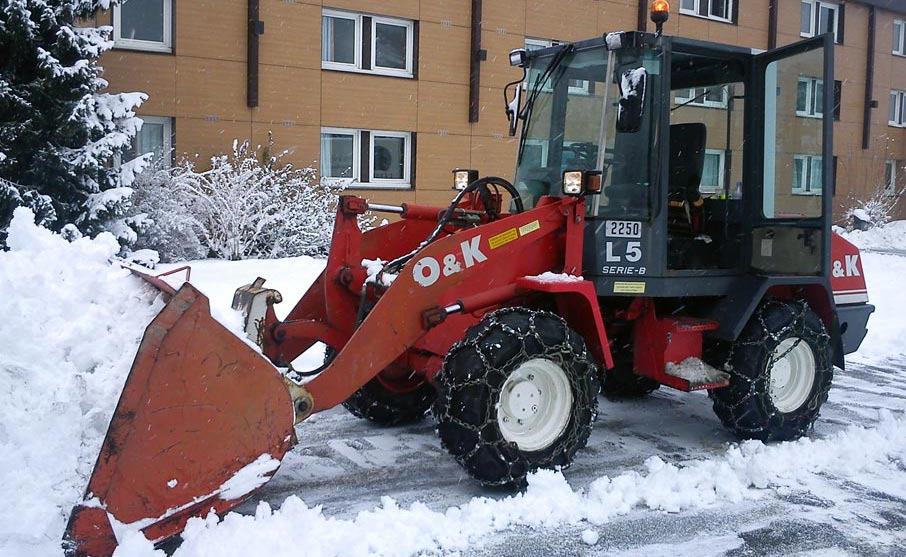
890,237
660,476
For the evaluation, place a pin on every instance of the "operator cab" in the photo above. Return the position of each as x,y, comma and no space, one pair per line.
713,159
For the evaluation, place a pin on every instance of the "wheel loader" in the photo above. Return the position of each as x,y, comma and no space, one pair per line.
669,225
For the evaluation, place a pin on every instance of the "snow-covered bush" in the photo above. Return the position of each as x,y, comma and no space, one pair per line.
868,212
249,204
59,132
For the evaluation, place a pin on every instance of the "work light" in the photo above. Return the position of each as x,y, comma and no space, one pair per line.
580,182
462,177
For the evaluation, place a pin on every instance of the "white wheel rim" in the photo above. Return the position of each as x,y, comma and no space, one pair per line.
535,405
792,374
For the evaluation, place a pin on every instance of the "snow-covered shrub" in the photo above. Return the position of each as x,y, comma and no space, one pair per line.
868,212
249,204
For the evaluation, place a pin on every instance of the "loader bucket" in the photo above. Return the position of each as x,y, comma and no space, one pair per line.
202,422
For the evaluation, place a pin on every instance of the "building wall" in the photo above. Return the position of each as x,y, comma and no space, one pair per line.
202,83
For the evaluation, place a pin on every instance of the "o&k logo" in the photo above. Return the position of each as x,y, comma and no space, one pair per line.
428,270
847,268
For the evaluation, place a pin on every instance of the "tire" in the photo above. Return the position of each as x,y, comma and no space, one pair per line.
479,413
780,373
377,403
621,382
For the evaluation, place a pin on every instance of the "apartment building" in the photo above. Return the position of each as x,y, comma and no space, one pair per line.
390,95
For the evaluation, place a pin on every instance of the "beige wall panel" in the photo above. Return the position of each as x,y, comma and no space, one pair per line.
211,88
508,15
852,102
198,139
492,120
789,17
847,139
849,62
211,29
443,106
494,156
754,13
457,12
436,158
302,142
396,8
496,70
352,100
692,27
289,94
437,198
565,21
616,16
292,34
725,33
154,74
385,196
443,53
752,38
856,25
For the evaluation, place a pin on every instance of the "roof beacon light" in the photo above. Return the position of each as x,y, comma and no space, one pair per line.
660,13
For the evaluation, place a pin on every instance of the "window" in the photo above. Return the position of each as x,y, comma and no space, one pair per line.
709,97
890,177
144,25
712,181
576,86
156,136
806,174
721,10
821,17
363,43
896,115
386,161
810,97
899,37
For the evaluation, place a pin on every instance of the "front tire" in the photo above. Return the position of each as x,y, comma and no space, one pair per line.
517,394
780,373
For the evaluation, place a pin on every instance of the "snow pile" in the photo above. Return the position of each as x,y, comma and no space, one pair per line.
745,471
887,325
375,270
549,277
695,371
71,325
891,236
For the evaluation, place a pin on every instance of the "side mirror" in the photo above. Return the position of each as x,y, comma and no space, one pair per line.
633,84
512,110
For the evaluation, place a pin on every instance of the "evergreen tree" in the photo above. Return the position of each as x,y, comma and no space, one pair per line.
58,134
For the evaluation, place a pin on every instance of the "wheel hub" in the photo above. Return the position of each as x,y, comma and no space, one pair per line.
535,405
792,374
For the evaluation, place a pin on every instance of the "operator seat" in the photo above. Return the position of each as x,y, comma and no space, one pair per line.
685,206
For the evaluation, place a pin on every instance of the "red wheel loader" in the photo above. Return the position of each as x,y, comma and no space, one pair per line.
669,224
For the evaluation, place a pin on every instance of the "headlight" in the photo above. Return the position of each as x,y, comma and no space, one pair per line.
463,177
580,182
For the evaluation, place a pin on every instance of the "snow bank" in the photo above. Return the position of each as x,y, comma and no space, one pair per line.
887,325
745,471
71,325
891,236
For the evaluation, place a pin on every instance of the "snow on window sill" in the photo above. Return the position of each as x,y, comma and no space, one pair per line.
144,46
337,67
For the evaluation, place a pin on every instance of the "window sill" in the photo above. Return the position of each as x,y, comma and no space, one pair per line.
807,193
377,186
807,115
708,17
381,73
896,125
810,36
696,105
900,54
143,46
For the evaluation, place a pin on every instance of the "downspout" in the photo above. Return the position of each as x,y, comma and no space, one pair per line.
255,30
477,56
772,24
642,23
869,79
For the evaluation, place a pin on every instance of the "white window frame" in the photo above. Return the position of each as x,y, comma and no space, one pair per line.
805,182
890,175
582,88
814,10
407,160
899,48
814,106
898,101
721,168
356,156
686,95
167,146
408,24
135,44
696,7
545,146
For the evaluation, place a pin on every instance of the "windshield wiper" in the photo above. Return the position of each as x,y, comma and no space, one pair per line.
538,85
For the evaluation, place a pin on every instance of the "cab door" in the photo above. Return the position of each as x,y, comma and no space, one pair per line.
793,167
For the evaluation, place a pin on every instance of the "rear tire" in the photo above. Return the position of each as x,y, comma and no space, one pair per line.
780,373
482,417
385,407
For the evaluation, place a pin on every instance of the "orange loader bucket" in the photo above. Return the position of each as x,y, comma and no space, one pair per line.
202,422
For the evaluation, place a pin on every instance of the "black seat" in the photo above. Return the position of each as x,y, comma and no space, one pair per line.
685,213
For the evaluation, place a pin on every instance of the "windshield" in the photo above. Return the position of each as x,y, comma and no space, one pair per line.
571,125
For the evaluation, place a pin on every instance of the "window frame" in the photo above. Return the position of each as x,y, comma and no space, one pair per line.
680,99
721,170
165,46
356,156
814,14
583,89
899,106
901,50
814,104
694,11
407,160
359,44
808,164
890,177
